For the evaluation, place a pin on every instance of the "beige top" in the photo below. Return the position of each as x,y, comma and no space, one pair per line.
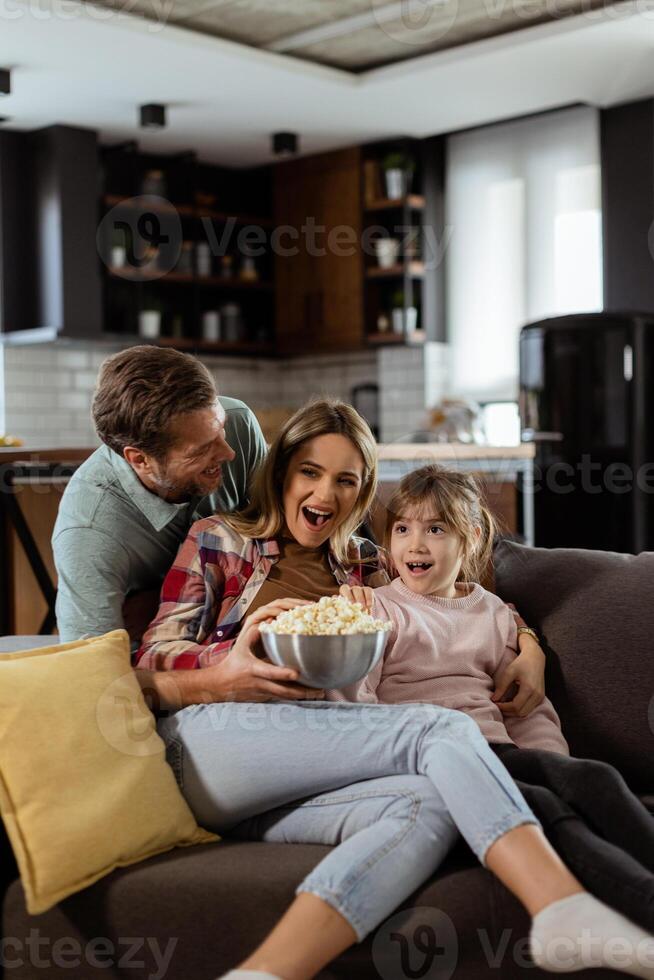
299,573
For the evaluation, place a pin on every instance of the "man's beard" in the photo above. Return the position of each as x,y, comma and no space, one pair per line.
179,493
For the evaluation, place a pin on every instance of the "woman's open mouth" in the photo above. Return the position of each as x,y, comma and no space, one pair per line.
419,568
315,518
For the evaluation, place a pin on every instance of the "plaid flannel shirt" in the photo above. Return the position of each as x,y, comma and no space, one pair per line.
207,592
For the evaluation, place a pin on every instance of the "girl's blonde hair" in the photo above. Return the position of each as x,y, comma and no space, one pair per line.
457,500
264,516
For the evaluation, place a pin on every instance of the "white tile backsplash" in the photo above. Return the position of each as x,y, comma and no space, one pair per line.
48,387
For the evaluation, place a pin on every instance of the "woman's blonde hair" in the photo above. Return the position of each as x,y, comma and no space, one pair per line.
264,516
457,501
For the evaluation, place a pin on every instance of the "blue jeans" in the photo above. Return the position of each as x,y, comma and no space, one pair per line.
388,784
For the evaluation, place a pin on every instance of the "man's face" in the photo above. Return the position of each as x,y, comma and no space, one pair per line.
192,467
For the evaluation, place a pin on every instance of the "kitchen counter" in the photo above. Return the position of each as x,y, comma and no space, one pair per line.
506,470
445,451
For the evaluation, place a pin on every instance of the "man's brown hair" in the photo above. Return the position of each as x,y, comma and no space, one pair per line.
140,390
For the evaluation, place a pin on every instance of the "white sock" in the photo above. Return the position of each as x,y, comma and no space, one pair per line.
580,932
248,975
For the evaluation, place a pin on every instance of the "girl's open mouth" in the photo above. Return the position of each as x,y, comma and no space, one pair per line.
418,567
316,518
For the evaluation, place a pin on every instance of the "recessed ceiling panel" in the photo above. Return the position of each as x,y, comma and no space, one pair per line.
355,34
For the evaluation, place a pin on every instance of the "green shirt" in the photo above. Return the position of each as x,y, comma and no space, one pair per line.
114,537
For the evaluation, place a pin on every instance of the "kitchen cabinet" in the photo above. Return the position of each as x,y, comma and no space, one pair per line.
318,256
33,481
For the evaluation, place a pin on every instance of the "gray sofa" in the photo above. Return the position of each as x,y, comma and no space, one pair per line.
595,612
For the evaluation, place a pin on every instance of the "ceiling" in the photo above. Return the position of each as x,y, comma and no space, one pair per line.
354,35
83,65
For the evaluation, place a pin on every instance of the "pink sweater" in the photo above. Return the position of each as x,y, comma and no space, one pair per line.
449,652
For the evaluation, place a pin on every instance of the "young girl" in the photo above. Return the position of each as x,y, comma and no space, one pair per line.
451,639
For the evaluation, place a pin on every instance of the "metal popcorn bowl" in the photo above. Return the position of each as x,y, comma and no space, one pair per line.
326,661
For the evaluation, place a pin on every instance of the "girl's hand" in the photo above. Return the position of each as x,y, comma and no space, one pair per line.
528,672
362,594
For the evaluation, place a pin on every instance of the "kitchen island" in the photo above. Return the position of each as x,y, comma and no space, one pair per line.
507,473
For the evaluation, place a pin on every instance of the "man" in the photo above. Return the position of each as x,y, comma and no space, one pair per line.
172,452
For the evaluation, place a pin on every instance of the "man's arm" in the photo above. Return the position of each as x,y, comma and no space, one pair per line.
93,573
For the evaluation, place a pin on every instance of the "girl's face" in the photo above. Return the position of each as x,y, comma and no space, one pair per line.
321,488
426,553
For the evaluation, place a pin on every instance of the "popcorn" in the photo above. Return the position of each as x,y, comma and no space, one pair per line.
330,616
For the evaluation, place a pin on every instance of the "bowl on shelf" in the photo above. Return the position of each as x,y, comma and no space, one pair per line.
326,661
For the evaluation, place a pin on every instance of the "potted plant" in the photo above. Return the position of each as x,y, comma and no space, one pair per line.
398,170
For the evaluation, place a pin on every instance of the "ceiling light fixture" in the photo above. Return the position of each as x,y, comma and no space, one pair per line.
5,81
284,144
153,116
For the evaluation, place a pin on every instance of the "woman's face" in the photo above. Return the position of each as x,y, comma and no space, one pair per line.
321,488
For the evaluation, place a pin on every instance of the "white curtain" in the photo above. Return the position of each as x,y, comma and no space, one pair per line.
523,205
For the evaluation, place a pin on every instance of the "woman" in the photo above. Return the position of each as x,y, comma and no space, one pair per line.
388,785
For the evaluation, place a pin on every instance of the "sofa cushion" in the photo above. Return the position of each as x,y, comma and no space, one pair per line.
84,785
595,613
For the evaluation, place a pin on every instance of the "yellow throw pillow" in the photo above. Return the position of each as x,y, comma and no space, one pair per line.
84,783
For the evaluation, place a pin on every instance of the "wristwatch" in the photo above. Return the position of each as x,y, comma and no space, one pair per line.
530,632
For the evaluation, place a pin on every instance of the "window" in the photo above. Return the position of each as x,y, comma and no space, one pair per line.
523,205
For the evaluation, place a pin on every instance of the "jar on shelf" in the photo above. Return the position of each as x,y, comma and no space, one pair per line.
203,263
249,272
211,325
154,183
231,319
185,261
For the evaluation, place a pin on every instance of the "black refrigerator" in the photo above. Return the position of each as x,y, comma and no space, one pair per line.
587,403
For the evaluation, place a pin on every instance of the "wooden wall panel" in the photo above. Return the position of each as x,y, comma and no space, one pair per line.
319,294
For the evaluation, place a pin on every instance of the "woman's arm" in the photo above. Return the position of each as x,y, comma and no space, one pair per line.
240,675
173,649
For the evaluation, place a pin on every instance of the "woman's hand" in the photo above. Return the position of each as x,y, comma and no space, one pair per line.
243,676
528,672
362,594
256,679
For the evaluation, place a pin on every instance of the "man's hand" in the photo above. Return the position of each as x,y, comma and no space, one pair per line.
528,672
362,594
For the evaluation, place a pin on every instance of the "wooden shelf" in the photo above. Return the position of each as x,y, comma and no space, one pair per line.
415,202
215,346
389,338
233,283
212,282
416,270
189,211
